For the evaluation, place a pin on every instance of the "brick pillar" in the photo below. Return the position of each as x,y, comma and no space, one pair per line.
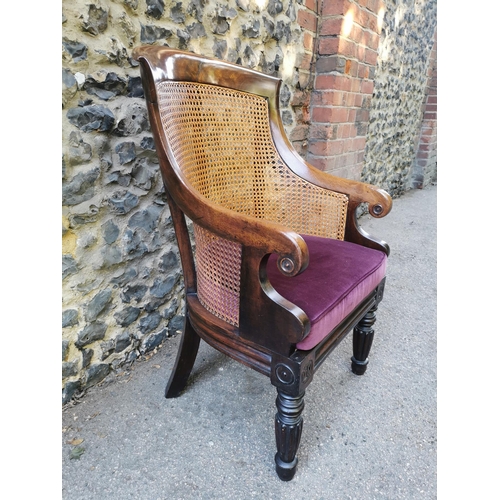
307,17
425,165
348,38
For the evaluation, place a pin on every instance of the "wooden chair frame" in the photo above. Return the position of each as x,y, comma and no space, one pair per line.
267,346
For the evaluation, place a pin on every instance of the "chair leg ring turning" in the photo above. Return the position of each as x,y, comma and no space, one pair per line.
285,470
358,367
362,340
288,427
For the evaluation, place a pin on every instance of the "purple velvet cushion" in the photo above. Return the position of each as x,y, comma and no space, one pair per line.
339,276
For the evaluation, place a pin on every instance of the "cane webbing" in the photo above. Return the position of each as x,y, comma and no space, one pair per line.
221,140
218,263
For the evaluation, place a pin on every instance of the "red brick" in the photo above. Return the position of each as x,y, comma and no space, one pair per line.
321,114
371,57
359,143
333,82
373,41
351,159
351,98
329,98
312,5
317,98
340,161
375,5
355,84
363,71
325,164
356,34
307,20
353,9
367,101
331,26
339,98
361,52
330,115
365,38
328,46
326,148
327,64
366,19
325,132
362,115
429,127
347,47
325,82
334,7
367,87
426,139
373,23
355,170
344,131
308,41
354,69
340,115
343,83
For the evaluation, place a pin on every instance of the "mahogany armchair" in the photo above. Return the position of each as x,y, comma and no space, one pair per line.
280,271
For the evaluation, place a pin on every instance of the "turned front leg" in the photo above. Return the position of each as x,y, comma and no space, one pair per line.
288,427
362,342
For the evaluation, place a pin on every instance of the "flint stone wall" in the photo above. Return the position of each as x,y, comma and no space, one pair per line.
401,80
122,280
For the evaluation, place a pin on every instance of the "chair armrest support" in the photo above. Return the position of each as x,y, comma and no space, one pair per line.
379,205
258,299
379,201
265,236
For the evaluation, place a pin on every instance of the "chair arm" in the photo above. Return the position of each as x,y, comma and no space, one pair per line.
264,236
379,205
379,201
258,238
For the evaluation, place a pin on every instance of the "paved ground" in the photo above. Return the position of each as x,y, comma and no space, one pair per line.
364,437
